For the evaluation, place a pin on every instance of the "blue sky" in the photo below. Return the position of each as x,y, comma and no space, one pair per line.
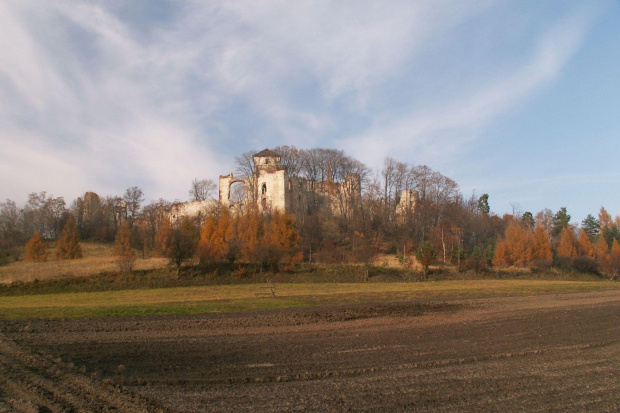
519,99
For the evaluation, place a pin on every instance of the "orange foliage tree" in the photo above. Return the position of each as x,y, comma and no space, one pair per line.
35,249
515,248
123,252
614,259
601,249
586,249
521,247
68,245
541,246
567,246
280,242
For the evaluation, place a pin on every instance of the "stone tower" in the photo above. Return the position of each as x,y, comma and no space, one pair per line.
270,181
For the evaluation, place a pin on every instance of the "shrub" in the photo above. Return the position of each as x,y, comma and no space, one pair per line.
585,264
35,249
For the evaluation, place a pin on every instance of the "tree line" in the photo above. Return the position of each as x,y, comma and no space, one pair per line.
442,226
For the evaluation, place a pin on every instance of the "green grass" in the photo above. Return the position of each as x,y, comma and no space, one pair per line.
248,297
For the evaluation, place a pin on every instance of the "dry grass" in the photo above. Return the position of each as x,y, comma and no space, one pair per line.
97,259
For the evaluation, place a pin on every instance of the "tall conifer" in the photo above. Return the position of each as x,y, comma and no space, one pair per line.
68,245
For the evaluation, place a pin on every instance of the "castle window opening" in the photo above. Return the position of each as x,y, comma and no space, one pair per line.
264,188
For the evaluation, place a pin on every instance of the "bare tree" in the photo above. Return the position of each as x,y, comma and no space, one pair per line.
43,214
10,218
245,168
291,158
133,200
202,189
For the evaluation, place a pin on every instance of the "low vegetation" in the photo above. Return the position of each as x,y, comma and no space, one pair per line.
225,299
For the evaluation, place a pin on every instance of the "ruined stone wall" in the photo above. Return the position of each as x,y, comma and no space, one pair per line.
272,189
193,210
406,205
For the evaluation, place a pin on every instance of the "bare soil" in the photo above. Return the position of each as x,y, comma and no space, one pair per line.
556,352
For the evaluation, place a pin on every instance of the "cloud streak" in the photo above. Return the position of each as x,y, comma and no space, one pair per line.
435,132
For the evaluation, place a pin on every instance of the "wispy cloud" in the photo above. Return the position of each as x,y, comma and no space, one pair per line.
96,96
442,129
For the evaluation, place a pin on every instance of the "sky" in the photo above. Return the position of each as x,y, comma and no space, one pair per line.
520,100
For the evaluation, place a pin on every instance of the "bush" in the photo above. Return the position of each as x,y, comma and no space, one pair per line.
541,264
585,265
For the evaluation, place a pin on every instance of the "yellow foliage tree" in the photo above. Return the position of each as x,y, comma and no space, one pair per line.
35,249
68,245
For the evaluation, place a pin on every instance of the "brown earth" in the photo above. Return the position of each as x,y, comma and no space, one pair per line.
541,353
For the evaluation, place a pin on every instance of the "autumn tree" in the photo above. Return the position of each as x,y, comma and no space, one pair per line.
542,253
250,234
68,245
567,246
280,242
585,247
163,237
601,249
516,248
614,259
35,249
177,244
125,256
207,250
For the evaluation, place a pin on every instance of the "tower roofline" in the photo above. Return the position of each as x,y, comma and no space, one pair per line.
266,153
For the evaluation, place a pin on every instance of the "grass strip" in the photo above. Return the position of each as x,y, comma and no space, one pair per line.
250,297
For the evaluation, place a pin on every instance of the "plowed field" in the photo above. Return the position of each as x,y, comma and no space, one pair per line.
557,352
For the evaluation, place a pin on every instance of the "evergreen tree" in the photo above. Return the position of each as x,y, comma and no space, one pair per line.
591,226
483,204
425,255
528,220
35,249
561,219
68,245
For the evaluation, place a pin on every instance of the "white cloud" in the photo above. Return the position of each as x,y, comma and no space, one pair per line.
104,126
437,131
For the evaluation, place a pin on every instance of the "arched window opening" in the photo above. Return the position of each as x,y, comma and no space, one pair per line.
263,189
237,192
